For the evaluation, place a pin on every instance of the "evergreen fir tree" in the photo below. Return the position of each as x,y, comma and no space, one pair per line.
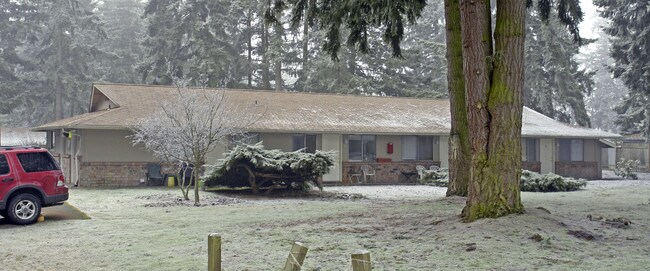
630,37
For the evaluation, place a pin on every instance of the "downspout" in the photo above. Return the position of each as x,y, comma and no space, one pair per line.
77,146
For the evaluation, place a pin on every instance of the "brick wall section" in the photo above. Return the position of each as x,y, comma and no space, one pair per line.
532,166
386,172
113,175
586,170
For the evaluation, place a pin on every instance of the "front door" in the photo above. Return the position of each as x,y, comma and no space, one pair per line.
332,142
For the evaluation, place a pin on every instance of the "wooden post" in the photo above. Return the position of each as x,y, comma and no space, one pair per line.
361,260
296,257
214,252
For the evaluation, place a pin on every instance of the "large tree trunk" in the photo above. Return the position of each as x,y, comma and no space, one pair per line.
459,152
277,66
494,105
58,88
249,43
305,50
266,77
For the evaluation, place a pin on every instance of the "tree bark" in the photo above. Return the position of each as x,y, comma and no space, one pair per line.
279,32
266,75
305,49
195,172
250,50
494,106
459,151
58,88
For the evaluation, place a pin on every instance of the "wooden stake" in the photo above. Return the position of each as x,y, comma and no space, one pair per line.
361,260
296,257
214,252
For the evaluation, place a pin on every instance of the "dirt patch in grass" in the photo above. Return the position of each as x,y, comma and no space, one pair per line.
175,199
231,197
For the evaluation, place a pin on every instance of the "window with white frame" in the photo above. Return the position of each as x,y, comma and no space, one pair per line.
304,141
571,149
417,147
362,148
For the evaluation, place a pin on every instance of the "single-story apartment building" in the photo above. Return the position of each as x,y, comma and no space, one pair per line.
391,134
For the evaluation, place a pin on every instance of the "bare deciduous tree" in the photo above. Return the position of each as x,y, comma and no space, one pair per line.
190,124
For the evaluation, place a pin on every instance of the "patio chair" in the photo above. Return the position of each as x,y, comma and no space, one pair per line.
368,171
420,169
153,174
354,176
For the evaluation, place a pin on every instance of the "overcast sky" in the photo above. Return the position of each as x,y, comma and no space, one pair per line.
587,27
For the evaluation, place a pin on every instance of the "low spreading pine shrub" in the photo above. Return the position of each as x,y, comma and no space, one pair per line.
535,182
530,181
270,167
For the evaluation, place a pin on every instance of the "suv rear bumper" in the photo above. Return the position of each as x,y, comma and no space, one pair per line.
51,200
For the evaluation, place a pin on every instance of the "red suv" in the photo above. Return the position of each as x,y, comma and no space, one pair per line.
29,179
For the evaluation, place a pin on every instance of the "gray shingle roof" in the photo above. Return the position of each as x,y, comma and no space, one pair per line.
307,112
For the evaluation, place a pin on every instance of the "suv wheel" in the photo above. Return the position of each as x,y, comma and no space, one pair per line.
24,209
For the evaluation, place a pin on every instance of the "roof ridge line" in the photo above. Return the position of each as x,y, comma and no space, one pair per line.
273,91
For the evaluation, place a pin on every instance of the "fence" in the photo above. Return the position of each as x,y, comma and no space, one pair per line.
359,260
635,151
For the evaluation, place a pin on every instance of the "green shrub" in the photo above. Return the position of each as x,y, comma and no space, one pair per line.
271,167
530,181
625,167
535,182
439,177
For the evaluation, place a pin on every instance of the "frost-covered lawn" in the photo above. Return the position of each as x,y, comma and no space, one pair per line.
404,228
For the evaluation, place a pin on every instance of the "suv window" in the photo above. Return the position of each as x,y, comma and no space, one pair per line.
37,161
4,165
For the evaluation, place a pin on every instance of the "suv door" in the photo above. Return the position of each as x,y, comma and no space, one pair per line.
38,167
7,179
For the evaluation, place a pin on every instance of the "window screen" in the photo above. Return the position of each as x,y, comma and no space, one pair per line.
571,149
564,149
355,148
576,150
417,147
4,165
36,161
369,148
310,143
362,148
409,147
298,142
425,148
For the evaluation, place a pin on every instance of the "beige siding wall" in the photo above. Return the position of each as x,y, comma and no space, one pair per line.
382,150
436,148
217,153
276,141
444,151
592,151
111,146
